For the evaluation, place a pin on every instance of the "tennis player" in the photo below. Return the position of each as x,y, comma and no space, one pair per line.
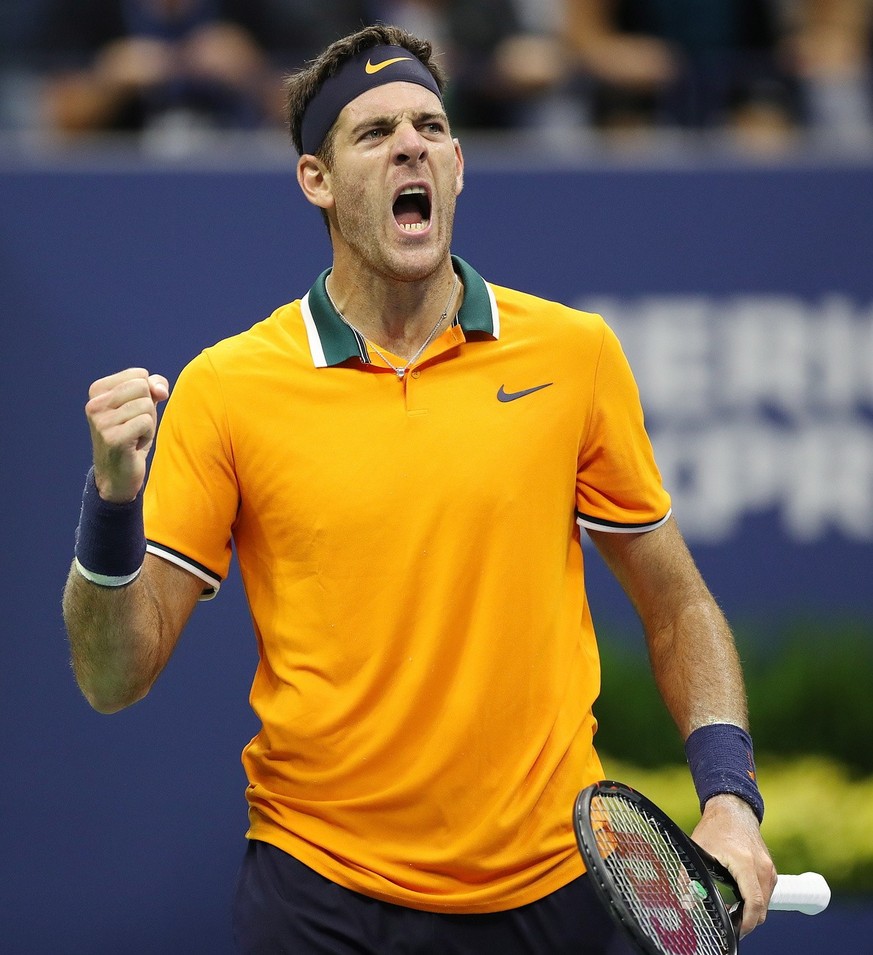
403,459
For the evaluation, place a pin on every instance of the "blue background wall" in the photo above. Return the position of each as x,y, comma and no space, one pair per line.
123,834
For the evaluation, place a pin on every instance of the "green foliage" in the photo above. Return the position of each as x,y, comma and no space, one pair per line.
817,818
809,693
813,693
811,710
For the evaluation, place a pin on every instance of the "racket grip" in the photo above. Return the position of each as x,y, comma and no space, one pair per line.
808,893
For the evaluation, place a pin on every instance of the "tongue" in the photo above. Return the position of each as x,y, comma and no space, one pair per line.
407,211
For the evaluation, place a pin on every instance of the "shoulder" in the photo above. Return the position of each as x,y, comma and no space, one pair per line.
273,346
522,310
278,336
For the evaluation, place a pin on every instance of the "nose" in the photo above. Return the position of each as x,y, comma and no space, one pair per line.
409,145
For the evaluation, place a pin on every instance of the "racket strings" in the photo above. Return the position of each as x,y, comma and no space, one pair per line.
660,884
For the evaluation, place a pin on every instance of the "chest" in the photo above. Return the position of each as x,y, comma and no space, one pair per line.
337,449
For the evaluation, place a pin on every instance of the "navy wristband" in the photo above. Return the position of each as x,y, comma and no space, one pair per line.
110,539
721,760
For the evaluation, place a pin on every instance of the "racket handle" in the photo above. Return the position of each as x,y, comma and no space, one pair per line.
808,893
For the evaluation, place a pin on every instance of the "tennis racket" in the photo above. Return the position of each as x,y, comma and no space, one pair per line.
669,895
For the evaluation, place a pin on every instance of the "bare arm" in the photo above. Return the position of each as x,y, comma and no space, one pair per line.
698,672
90,98
831,37
633,61
122,637
126,68
691,647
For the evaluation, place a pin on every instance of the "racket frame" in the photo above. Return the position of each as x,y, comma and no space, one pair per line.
605,885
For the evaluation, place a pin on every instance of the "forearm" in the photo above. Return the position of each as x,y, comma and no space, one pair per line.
587,22
80,103
692,651
691,647
115,636
696,666
694,661
124,609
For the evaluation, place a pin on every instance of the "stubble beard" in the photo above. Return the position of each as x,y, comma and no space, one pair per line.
399,261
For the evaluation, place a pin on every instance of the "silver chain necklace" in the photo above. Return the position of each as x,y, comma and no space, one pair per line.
400,372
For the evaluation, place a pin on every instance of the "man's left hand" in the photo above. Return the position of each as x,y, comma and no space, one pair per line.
729,831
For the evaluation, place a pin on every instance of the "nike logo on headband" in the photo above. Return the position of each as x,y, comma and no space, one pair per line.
375,67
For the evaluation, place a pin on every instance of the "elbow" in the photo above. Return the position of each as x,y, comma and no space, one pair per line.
107,707
106,699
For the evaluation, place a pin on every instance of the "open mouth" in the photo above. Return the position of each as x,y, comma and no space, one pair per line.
412,209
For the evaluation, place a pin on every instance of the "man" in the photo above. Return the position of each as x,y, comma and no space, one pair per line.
400,459
153,66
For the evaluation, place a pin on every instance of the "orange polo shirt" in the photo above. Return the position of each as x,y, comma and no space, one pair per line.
410,552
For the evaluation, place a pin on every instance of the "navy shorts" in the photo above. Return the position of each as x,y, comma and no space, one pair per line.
282,906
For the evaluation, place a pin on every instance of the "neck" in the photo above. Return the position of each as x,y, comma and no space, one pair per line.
397,316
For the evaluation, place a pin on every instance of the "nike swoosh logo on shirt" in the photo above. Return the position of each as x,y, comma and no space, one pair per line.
375,67
503,395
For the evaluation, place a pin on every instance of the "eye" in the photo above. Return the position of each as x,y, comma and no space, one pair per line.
374,133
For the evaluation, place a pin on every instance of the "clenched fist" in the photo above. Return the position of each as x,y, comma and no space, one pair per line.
123,418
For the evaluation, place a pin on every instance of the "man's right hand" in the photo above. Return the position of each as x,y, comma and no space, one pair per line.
123,418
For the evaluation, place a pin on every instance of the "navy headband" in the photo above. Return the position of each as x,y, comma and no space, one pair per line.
369,68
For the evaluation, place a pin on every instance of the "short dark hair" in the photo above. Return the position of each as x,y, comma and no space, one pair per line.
302,86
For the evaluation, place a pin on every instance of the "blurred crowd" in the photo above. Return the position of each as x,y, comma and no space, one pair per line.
764,71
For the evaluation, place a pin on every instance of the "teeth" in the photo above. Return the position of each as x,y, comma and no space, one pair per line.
414,226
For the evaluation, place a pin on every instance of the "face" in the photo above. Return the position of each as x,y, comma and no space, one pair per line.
391,189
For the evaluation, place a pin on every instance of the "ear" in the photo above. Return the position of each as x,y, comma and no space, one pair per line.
314,180
459,167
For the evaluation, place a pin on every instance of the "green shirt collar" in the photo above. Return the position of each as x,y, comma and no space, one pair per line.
332,342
